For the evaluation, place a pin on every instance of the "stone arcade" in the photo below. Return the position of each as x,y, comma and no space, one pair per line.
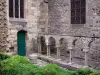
67,30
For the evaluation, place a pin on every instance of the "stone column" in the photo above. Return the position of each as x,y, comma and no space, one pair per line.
70,48
48,50
86,49
70,56
58,53
86,57
48,47
58,49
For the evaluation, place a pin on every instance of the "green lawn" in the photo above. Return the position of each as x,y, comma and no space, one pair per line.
18,65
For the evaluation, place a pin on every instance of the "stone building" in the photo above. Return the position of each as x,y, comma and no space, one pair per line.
21,20
66,28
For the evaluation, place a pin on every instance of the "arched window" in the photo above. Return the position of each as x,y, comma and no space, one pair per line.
78,11
16,8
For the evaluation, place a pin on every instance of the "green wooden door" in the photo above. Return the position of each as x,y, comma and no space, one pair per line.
21,43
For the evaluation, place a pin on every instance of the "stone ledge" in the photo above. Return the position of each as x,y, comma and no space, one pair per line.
17,20
59,62
11,53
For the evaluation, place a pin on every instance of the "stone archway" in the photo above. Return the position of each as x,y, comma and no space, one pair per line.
64,52
94,54
52,44
63,47
43,45
21,43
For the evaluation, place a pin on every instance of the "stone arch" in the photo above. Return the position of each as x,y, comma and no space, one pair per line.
46,1
79,48
22,31
64,49
63,45
52,44
43,45
74,42
78,54
94,52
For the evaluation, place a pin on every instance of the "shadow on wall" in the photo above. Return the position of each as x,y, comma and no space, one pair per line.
64,47
52,44
34,47
43,45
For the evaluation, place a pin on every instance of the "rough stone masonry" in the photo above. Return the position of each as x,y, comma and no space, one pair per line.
51,19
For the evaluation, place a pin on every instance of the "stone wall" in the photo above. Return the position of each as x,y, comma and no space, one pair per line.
43,17
3,25
59,19
58,12
94,52
51,17
59,24
34,22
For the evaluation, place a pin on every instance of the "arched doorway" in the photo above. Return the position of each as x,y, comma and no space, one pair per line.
21,42
52,44
64,52
43,45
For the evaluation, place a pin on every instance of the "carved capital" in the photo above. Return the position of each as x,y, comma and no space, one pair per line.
47,42
85,42
57,44
85,49
70,42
